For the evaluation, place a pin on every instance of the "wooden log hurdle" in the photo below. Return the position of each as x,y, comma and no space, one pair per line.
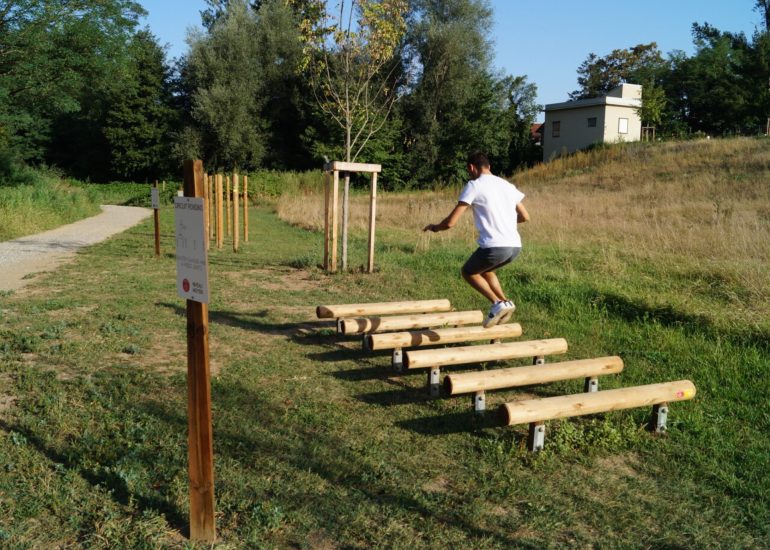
361,325
478,383
537,411
434,359
397,341
381,308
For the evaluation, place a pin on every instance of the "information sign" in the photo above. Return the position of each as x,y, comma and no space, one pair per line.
192,268
155,198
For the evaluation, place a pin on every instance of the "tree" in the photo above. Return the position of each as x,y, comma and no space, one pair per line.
141,115
353,68
227,90
51,53
641,64
763,7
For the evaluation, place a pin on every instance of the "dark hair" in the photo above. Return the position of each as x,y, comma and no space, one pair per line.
478,159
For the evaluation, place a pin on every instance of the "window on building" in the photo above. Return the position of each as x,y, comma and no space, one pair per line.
592,122
622,125
556,128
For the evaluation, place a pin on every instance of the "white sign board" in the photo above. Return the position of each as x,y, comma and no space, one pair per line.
192,267
155,198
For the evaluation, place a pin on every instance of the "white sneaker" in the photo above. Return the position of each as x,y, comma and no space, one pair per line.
497,310
511,307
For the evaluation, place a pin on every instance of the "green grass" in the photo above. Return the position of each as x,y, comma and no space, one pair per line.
319,445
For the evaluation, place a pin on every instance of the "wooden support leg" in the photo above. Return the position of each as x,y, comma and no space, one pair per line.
536,438
658,418
434,381
398,360
479,402
591,384
372,216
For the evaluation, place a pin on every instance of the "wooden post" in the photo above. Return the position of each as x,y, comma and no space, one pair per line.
227,201
327,191
200,434
220,228
245,208
345,219
206,208
372,213
212,207
334,196
156,216
236,210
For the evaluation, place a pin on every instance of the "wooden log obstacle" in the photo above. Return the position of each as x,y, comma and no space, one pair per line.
381,308
397,341
478,383
434,359
363,325
537,411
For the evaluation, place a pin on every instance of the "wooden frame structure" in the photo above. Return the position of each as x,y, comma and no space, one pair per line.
331,211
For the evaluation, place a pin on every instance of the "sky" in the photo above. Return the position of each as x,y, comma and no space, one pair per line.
546,40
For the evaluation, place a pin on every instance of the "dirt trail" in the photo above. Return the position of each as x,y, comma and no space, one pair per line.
45,251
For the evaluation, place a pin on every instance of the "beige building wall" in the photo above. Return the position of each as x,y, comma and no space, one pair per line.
613,125
574,130
616,119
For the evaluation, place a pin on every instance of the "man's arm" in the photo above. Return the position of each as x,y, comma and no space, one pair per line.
521,213
450,220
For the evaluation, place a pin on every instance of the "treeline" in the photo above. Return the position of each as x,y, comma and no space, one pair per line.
283,84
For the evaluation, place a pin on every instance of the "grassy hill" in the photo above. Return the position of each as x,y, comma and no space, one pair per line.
319,445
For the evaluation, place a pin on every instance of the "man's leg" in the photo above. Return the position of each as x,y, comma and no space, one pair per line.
494,285
479,282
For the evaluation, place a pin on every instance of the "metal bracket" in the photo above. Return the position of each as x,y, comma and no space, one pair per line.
591,385
495,341
658,418
536,438
538,360
365,342
397,361
339,325
434,381
479,402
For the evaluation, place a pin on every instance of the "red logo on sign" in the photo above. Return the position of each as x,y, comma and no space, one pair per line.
186,285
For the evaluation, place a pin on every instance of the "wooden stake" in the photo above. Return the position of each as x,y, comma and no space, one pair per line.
372,214
212,207
200,433
245,208
206,208
220,228
236,224
345,219
334,197
156,216
327,191
227,201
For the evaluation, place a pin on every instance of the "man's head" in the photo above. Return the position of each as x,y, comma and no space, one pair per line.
478,163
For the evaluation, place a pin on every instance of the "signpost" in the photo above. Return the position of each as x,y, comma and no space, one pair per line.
155,199
192,284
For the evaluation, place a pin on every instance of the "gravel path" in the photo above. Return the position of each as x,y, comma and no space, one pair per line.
45,251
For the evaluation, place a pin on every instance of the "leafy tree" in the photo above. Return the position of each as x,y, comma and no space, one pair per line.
353,67
641,64
51,53
227,89
141,115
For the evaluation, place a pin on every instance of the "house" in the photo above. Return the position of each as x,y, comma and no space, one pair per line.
575,125
536,133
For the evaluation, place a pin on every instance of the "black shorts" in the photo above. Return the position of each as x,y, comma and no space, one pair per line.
489,259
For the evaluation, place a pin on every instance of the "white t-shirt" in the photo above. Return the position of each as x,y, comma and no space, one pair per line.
493,201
